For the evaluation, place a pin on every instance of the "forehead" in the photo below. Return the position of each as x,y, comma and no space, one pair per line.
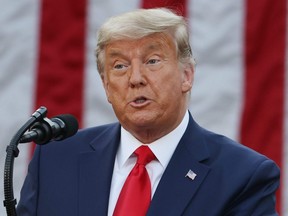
154,42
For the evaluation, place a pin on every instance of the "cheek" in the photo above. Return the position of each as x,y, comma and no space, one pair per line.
116,90
167,89
105,84
172,80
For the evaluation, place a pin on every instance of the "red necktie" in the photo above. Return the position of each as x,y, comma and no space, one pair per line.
135,196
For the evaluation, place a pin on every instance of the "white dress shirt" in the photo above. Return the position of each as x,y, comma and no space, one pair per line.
162,148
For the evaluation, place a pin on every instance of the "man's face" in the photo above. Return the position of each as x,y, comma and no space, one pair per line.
145,83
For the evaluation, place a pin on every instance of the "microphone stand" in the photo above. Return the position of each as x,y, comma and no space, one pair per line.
12,152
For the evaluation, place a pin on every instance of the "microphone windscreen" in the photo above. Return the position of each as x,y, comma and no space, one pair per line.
71,125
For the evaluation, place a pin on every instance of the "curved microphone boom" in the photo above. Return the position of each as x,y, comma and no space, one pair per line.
40,130
56,128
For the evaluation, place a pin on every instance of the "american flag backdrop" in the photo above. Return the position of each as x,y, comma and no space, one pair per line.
240,89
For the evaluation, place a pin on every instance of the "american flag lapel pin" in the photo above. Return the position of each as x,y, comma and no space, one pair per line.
191,175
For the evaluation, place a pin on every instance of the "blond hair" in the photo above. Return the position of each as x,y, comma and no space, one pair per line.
143,22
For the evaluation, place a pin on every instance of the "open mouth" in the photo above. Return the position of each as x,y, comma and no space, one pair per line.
140,100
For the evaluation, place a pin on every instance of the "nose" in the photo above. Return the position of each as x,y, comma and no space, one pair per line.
137,78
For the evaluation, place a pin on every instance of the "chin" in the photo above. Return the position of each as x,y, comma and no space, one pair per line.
141,120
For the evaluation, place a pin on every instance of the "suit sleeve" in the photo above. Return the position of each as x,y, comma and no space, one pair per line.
258,196
29,193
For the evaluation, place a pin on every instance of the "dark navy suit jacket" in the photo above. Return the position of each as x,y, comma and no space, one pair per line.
72,177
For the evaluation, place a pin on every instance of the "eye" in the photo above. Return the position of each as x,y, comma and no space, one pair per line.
119,66
153,61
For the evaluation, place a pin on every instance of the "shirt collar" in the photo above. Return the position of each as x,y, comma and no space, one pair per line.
163,148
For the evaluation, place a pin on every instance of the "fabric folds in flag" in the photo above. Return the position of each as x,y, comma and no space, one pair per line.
240,87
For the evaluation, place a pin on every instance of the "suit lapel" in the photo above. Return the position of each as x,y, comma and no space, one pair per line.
174,188
95,173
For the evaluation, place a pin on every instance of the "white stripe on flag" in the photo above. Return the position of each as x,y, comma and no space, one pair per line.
217,44
18,35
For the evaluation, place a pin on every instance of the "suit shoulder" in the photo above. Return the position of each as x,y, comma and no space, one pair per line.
221,146
92,132
83,138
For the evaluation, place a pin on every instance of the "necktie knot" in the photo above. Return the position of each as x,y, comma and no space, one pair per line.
144,155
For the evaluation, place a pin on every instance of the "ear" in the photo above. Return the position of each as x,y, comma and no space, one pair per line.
188,77
105,85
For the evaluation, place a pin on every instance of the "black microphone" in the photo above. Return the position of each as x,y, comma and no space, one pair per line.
58,128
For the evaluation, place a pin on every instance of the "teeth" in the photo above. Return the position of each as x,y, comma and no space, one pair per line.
140,100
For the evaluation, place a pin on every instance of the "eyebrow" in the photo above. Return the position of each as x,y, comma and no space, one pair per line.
115,53
154,46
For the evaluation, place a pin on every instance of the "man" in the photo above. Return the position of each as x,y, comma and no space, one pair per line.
147,68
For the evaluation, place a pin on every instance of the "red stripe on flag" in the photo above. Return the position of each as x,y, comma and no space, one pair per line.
61,57
177,5
263,112
59,85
